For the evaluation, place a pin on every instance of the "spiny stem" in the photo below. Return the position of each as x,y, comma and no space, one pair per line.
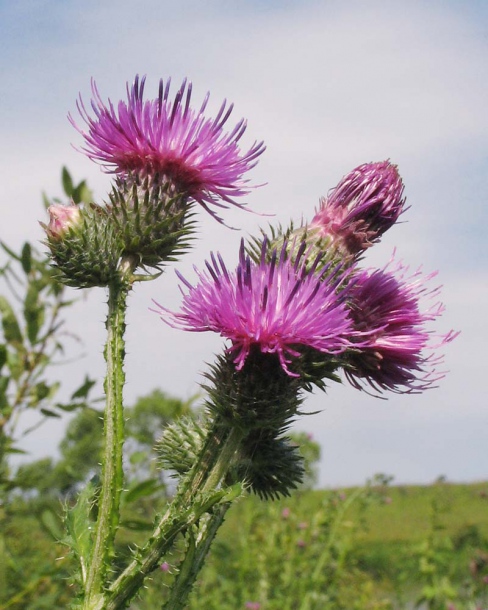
112,473
207,473
194,559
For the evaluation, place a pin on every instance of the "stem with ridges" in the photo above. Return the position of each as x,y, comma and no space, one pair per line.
206,474
112,472
194,559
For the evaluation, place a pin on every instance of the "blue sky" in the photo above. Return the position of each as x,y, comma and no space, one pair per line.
327,85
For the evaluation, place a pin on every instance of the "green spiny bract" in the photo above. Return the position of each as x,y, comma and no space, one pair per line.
153,220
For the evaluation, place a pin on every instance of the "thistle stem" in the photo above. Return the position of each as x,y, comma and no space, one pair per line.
194,559
206,475
112,473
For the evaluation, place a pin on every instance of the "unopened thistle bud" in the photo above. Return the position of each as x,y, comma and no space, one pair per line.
356,213
61,219
83,244
365,204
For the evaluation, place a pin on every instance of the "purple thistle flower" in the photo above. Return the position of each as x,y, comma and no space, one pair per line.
385,308
277,305
365,204
167,137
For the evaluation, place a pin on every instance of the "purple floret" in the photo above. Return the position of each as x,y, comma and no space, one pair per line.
165,136
365,204
278,306
398,352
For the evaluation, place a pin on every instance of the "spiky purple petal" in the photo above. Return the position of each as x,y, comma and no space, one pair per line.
398,352
166,136
365,204
278,306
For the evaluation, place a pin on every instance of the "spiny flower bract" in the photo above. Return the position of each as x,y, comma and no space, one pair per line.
277,305
167,137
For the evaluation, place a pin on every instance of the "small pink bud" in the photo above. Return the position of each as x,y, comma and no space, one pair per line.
285,513
62,218
252,605
303,525
164,567
301,544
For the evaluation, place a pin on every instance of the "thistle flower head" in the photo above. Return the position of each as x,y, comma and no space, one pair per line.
365,204
165,136
398,353
84,246
276,306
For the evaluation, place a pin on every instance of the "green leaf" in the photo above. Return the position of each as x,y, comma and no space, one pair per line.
51,523
16,364
141,490
3,355
80,526
10,252
26,257
16,451
138,525
82,391
82,194
39,392
137,457
11,328
45,200
67,181
70,406
33,313
4,381
49,413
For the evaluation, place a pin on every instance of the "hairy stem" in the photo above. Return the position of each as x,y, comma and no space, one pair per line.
196,554
112,473
206,475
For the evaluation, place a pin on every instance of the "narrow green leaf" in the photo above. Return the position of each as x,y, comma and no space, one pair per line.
39,392
16,363
82,194
3,355
51,523
11,328
16,451
70,406
67,181
10,252
26,257
49,413
45,200
33,313
141,490
82,391
138,525
80,526
4,403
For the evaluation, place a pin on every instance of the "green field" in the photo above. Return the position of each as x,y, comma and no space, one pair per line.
379,547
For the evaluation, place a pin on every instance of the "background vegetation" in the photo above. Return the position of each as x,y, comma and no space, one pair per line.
378,547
